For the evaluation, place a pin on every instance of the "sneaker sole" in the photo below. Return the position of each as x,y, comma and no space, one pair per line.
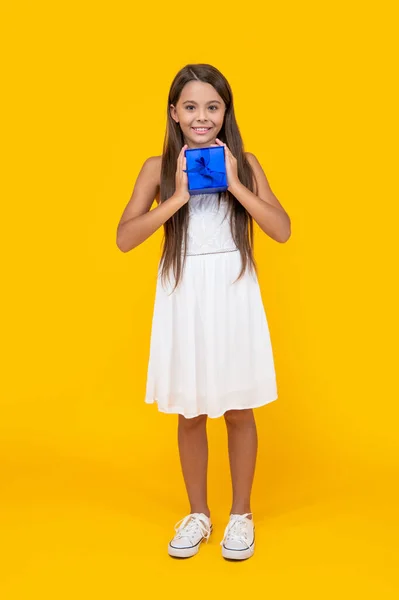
185,552
238,554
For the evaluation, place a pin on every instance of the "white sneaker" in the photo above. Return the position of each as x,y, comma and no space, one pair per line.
239,537
191,531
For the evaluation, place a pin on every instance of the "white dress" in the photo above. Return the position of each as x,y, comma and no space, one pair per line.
210,348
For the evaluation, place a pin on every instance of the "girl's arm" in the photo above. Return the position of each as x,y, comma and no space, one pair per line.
264,207
138,222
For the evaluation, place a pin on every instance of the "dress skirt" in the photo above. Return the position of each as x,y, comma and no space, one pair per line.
210,348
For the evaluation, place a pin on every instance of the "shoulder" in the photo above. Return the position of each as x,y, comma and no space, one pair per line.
154,160
257,170
251,158
263,189
262,182
256,166
153,163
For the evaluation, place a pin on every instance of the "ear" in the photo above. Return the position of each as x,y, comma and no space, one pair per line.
173,113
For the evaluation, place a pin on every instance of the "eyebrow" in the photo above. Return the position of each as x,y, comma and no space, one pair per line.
193,102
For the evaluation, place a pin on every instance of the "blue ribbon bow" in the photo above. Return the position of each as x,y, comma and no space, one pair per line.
205,171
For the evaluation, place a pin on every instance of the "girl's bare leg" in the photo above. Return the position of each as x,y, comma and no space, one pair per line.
243,446
193,451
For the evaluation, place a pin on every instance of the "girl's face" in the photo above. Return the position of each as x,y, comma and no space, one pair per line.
199,106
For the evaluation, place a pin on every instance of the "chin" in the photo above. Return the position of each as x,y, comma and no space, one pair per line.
209,138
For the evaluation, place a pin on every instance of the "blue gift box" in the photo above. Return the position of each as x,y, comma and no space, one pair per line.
206,170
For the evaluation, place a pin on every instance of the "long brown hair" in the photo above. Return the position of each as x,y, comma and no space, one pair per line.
175,228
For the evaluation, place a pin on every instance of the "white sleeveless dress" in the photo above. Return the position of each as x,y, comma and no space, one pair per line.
210,348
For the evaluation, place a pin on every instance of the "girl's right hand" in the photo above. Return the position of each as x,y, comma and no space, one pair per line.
181,176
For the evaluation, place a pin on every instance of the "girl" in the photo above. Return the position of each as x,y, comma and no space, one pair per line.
210,351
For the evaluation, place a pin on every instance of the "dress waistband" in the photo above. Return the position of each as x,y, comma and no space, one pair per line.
216,252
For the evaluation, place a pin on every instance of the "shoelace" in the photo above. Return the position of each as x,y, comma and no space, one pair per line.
190,525
235,530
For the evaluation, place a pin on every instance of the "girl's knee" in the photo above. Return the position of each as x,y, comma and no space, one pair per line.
238,416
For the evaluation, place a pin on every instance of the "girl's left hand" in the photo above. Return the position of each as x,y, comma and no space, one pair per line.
231,166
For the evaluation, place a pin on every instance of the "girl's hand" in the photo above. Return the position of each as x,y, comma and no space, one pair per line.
231,166
181,177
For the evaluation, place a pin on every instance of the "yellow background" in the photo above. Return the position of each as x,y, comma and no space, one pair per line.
91,481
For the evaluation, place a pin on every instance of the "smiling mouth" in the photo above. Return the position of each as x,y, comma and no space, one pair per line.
201,129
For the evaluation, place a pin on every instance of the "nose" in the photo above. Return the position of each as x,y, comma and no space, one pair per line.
201,117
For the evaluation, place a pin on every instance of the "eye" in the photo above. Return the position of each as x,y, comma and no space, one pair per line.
192,106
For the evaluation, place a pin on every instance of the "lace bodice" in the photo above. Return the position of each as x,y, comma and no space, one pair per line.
209,225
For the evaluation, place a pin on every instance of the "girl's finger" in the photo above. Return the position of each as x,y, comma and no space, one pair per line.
181,153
